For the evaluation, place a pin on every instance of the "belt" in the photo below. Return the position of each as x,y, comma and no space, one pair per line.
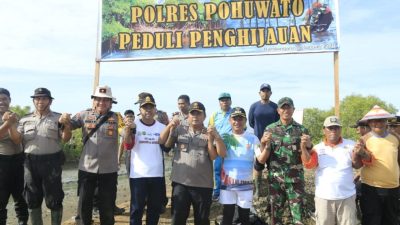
43,157
12,157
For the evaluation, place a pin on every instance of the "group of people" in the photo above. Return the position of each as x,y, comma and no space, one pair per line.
220,162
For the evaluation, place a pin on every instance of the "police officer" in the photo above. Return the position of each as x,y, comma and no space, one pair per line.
280,145
41,133
98,164
183,106
11,164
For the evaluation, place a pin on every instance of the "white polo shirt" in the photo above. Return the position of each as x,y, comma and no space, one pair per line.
334,173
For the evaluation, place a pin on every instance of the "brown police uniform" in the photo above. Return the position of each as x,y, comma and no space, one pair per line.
98,165
41,139
11,179
192,176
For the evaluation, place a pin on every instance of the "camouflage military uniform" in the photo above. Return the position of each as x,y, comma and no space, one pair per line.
285,174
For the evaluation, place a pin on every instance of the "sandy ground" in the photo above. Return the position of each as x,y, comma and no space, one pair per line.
123,198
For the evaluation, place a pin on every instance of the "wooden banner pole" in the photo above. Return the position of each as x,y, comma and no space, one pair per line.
336,80
96,75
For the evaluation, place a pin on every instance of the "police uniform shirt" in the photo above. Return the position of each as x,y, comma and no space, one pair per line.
40,134
183,119
192,165
7,146
100,153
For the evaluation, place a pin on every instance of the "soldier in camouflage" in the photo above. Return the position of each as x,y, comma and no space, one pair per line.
280,149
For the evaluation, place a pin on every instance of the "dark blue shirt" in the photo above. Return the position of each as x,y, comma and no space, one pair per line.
261,115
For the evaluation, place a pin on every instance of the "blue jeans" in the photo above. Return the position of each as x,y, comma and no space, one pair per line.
217,175
146,191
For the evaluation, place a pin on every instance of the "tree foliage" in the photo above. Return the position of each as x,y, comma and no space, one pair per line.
20,111
73,148
352,108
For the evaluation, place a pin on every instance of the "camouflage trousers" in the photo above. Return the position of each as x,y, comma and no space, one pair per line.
282,189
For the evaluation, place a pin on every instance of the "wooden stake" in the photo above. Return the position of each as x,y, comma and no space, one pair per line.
336,78
96,76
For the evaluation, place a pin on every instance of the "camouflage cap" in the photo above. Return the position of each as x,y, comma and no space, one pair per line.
285,101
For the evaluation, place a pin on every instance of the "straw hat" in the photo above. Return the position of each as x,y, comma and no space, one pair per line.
377,113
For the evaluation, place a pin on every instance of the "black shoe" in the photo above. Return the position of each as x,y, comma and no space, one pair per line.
118,211
22,223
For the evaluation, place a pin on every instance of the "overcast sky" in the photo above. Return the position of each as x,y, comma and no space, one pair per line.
47,43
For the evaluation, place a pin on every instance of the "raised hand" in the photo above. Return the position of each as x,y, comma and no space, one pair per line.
305,141
129,122
173,123
359,148
65,119
10,117
266,138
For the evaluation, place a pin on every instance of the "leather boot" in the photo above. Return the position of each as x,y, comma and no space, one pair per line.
36,216
56,216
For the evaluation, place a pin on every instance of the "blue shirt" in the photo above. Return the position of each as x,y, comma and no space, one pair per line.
261,115
220,120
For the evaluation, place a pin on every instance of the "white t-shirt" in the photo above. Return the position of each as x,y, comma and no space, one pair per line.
334,173
146,154
237,167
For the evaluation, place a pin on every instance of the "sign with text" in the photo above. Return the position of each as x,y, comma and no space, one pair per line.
157,29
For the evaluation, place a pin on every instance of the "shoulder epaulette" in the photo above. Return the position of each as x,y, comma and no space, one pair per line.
26,115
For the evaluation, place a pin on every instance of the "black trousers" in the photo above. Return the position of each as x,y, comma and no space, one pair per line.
229,212
43,180
379,206
146,191
107,185
183,197
12,184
